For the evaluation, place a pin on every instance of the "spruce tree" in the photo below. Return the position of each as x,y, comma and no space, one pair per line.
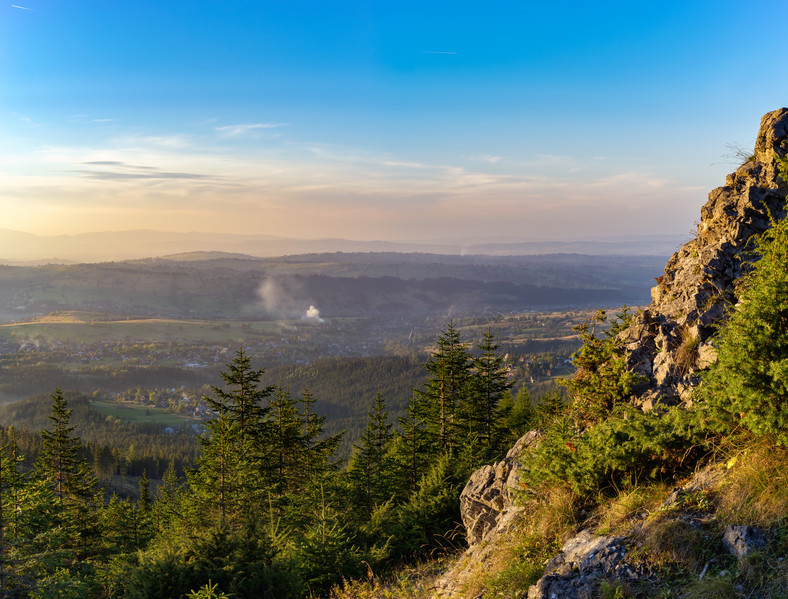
412,448
747,388
482,411
228,479
370,469
70,479
12,484
450,369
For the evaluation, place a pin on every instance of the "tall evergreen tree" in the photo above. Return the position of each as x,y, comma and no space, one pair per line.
242,401
286,443
412,448
450,369
227,478
481,409
370,469
70,479
11,487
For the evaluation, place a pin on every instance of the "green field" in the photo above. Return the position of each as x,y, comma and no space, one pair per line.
70,328
137,413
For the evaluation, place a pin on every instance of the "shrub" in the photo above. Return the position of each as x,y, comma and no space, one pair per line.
601,380
748,386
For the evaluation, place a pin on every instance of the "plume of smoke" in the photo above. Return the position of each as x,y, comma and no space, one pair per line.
313,314
271,294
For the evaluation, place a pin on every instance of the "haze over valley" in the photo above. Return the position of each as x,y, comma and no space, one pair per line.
437,300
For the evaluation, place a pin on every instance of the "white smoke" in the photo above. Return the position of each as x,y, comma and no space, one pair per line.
313,314
271,294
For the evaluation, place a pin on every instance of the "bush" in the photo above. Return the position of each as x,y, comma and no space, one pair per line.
748,386
628,445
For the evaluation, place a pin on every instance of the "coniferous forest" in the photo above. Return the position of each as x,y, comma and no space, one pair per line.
262,506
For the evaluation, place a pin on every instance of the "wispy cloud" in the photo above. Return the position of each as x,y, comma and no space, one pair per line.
121,176
20,7
103,120
235,130
400,164
121,171
167,142
118,163
25,119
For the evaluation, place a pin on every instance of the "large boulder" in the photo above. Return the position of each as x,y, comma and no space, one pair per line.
488,498
489,512
585,559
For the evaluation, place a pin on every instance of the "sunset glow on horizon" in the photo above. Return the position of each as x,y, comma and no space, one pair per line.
368,121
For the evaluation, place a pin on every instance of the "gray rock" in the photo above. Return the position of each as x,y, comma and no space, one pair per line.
585,559
742,540
488,494
489,512
698,283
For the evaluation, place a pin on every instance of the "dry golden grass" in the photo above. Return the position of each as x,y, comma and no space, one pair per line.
686,355
756,488
617,514
414,582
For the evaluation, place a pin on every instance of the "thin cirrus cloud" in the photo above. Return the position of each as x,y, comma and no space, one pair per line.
236,130
20,7
121,171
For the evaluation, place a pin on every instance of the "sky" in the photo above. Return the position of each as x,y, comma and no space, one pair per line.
379,120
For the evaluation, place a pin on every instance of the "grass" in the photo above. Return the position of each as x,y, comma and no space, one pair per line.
413,582
617,514
687,351
136,413
756,489
75,327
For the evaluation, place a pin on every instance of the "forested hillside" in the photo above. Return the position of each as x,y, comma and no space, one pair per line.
340,285
267,510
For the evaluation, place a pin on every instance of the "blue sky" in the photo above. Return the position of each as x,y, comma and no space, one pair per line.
378,120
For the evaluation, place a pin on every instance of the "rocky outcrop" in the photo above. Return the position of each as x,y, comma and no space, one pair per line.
489,511
741,541
584,559
669,342
487,501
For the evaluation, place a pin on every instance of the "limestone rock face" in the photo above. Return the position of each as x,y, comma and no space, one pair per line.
668,343
489,512
487,497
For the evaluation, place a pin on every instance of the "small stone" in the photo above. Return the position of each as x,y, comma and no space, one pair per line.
742,540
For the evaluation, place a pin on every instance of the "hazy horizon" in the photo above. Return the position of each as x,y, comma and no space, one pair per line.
371,122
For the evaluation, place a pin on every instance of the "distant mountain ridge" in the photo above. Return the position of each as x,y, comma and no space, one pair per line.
18,247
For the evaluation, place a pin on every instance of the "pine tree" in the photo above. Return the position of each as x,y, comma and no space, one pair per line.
748,385
481,410
286,443
11,487
217,482
412,448
317,453
370,468
602,379
70,479
450,369
243,400
227,478
58,461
